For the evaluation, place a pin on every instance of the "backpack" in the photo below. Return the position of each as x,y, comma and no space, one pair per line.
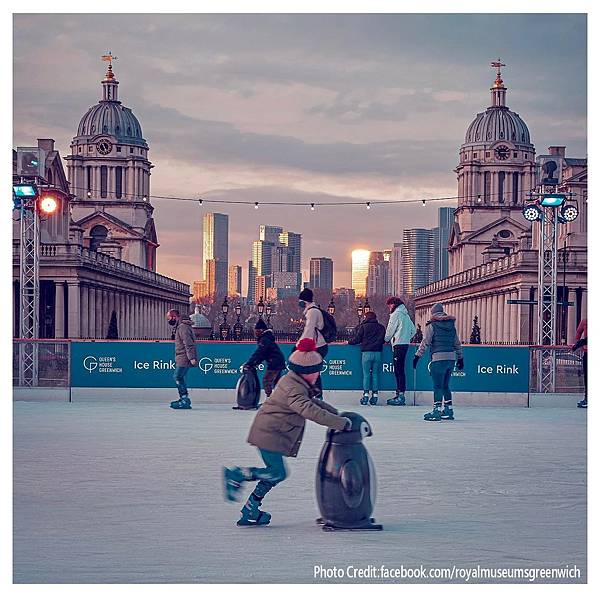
329,331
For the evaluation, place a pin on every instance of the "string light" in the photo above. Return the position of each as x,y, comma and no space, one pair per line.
200,201
423,201
256,204
368,204
312,206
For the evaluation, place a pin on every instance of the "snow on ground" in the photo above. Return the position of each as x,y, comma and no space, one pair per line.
131,492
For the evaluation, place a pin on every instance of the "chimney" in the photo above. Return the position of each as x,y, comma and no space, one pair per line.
557,150
46,144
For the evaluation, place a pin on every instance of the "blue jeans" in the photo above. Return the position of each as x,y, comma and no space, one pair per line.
179,377
371,367
269,476
440,373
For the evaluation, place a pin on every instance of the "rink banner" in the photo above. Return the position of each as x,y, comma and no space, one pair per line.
152,364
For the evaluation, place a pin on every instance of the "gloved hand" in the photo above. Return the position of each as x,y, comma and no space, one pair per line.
415,361
246,368
348,424
460,364
194,362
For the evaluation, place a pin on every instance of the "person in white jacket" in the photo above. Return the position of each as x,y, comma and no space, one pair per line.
399,332
312,328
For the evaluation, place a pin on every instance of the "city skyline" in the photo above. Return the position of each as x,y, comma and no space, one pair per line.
378,115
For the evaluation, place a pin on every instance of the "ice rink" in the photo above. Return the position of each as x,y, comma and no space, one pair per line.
131,492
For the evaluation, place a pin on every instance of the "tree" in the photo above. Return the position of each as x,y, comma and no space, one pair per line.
113,331
475,332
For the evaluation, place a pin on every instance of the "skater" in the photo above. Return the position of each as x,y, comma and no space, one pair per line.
581,344
268,351
186,356
370,336
278,428
313,328
442,340
399,332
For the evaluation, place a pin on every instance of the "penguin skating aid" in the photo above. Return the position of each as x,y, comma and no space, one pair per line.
346,482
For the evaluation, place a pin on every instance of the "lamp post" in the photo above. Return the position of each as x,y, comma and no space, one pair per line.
268,311
238,328
331,307
367,307
260,308
224,328
359,312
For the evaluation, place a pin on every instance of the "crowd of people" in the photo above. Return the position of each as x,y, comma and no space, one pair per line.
297,396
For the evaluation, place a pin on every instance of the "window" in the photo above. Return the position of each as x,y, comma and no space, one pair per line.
475,155
500,187
90,148
515,154
98,234
103,181
487,186
118,181
130,149
515,188
89,177
80,148
487,153
118,149
505,233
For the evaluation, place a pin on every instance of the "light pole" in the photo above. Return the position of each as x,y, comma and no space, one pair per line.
359,311
238,327
367,307
224,328
331,307
268,312
260,308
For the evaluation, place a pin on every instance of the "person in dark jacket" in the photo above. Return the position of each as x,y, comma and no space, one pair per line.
370,336
581,344
442,340
186,356
268,351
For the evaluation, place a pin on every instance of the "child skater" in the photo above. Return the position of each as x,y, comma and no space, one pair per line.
278,428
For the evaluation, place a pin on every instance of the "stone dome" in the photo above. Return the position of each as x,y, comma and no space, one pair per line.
199,320
112,118
498,123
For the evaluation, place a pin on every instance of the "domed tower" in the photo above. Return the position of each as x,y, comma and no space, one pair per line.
109,173
495,173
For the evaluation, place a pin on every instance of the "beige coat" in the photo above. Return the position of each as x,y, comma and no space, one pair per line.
279,423
185,344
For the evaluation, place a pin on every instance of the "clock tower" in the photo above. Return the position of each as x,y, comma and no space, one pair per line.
495,174
109,174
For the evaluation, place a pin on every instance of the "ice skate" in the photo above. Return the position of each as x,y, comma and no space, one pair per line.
435,415
582,403
252,515
374,398
232,481
447,413
364,400
399,400
183,403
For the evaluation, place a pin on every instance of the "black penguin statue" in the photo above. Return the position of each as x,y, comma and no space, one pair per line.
247,390
346,482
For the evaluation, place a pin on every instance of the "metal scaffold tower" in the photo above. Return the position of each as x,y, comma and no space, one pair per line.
547,297
29,267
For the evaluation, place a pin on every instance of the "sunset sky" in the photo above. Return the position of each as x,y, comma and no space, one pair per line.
302,108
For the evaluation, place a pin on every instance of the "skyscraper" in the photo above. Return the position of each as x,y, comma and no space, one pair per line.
396,269
251,282
360,270
269,234
321,273
445,223
215,247
418,250
294,242
234,281
378,278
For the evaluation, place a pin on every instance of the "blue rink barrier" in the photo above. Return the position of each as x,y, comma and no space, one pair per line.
151,365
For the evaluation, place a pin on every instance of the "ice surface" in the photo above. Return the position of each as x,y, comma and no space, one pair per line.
131,492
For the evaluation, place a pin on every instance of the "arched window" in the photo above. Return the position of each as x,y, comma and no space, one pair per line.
98,234
515,191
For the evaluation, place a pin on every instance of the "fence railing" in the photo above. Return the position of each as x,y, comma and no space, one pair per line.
568,375
53,364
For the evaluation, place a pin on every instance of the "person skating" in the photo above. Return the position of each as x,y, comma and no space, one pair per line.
400,330
268,351
313,328
444,345
370,336
278,429
581,344
186,356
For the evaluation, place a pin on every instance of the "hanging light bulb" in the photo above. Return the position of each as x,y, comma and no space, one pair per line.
200,201
368,204
256,205
423,202
312,206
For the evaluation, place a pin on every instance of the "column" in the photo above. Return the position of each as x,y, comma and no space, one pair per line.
572,318
494,318
99,315
91,312
84,310
59,310
506,309
514,318
488,323
74,310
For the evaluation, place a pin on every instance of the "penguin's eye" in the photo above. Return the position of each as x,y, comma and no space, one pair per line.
364,430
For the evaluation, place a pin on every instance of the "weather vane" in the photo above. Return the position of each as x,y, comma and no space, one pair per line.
497,64
109,58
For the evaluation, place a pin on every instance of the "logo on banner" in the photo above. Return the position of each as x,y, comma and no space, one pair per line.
205,364
90,363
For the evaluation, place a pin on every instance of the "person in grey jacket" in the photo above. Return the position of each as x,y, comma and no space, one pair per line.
399,332
186,356
443,342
